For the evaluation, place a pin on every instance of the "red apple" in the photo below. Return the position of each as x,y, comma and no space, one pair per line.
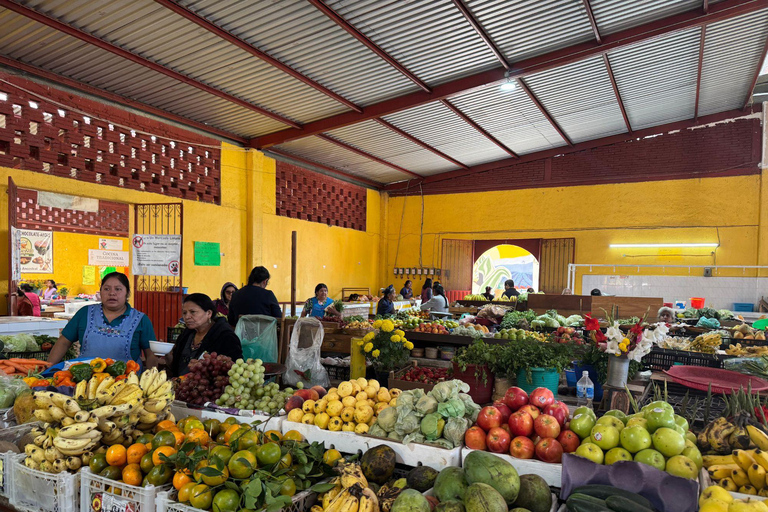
515,398
569,440
506,412
549,450
489,418
474,438
546,426
521,424
522,448
530,409
542,397
559,410
505,426
498,440
295,402
320,390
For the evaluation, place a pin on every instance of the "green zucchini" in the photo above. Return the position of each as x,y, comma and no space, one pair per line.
605,491
622,504
583,503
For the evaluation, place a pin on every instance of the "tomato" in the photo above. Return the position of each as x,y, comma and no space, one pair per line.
201,496
160,475
268,453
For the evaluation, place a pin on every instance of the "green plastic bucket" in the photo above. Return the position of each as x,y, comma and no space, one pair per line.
540,378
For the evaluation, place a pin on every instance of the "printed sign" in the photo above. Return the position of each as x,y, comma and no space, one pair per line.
89,275
98,257
105,502
16,266
109,244
35,251
207,254
156,255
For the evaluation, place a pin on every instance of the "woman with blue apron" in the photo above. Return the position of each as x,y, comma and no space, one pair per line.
317,305
112,329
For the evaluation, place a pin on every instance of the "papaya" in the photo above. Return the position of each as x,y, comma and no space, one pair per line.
411,500
378,464
534,494
481,497
450,484
486,468
450,506
422,478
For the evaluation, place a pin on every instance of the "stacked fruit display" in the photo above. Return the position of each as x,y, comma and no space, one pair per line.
358,324
519,335
567,335
206,380
431,327
524,426
655,436
426,374
350,407
475,297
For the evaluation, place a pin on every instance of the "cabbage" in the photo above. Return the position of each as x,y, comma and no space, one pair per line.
441,443
471,409
15,343
406,425
377,430
432,426
426,405
395,436
725,314
444,391
454,430
574,321
416,437
452,408
387,419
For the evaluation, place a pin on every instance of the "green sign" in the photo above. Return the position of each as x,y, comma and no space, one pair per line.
207,254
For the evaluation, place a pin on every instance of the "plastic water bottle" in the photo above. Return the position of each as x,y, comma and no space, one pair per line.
585,391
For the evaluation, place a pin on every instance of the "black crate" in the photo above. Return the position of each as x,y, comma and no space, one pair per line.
41,355
337,372
174,333
661,359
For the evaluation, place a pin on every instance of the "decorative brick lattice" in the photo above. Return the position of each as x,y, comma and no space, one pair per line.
40,136
307,195
111,219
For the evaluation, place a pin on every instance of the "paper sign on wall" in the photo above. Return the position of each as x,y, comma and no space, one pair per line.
207,254
156,255
16,264
107,258
35,251
106,270
109,244
89,275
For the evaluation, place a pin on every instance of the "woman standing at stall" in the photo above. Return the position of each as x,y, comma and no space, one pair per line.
386,305
222,304
317,305
50,291
112,329
426,290
33,298
438,303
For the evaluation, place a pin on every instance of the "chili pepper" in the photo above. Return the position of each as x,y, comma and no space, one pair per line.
100,376
120,377
109,361
98,365
40,382
67,382
81,372
116,368
58,377
132,366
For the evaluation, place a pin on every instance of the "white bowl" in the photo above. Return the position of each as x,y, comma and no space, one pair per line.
160,348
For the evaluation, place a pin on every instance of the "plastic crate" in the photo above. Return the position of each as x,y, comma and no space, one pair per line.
337,372
743,307
37,491
11,435
98,493
166,502
41,355
660,359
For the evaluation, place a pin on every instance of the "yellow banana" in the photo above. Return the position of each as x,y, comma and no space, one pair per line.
93,385
73,463
127,393
330,495
147,379
78,430
35,453
155,405
368,501
43,415
344,502
133,379
740,477
721,471
66,403
748,489
756,475
42,400
743,459
81,390
65,422
763,492
57,413
52,453
758,437
103,386
31,463
162,390
728,484
82,417
761,458
158,383
712,460
107,395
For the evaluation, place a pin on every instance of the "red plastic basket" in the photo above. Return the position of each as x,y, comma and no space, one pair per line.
723,381
697,302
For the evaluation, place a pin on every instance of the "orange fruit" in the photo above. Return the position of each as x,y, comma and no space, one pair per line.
198,436
242,464
185,491
132,474
288,488
149,446
193,423
212,426
293,435
165,450
201,496
165,425
146,462
181,478
226,500
231,430
273,435
117,455
164,438
268,453
179,438
218,479
135,452
247,439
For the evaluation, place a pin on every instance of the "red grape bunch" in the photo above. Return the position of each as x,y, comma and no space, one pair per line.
206,379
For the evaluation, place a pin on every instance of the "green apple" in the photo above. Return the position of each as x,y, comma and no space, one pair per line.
680,465
584,410
640,421
617,454
651,457
635,438
590,451
612,421
658,404
694,454
582,424
606,436
689,443
668,442
658,418
680,430
682,422
618,414
690,436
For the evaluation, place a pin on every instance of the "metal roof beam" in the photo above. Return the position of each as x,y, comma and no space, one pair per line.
698,72
718,12
421,143
367,155
592,21
233,39
479,128
705,6
616,92
748,99
544,111
332,170
351,30
104,45
481,32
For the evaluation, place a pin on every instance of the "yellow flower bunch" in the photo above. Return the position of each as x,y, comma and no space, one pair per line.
409,345
368,347
400,333
624,345
387,326
360,342
377,324
375,353
395,338
369,336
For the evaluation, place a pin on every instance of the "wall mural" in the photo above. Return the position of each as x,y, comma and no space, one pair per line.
503,262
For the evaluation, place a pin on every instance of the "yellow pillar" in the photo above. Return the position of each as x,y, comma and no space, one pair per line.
356,360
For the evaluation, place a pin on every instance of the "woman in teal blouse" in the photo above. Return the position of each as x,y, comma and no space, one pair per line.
317,305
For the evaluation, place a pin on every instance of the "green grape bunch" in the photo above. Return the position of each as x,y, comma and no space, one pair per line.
246,389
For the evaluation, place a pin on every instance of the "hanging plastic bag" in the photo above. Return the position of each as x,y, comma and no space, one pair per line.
258,337
303,363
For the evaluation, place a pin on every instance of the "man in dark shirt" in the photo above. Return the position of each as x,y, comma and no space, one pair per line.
509,289
254,299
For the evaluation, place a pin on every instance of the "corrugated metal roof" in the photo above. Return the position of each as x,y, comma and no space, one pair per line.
615,15
580,98
430,38
732,53
299,35
384,143
439,127
657,79
327,153
511,117
522,29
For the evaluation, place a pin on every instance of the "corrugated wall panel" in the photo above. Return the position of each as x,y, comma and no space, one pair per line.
657,79
580,98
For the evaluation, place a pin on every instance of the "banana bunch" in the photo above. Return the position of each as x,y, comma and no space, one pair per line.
117,407
389,493
158,395
716,436
350,494
744,471
54,450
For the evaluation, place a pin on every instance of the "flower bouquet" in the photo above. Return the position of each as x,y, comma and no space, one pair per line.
386,347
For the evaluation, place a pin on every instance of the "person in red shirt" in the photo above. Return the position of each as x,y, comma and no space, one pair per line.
33,298
23,304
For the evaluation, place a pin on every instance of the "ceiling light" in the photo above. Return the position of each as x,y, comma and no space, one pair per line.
509,84
645,246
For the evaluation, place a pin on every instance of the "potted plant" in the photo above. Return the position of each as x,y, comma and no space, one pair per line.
538,364
474,365
386,348
63,291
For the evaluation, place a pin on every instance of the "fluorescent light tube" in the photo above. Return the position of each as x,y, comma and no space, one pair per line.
645,246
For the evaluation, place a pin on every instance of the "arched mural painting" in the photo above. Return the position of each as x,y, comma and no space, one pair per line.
503,262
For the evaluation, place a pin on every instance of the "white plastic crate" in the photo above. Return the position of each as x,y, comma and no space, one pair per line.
37,491
166,502
412,454
98,493
180,411
551,473
11,435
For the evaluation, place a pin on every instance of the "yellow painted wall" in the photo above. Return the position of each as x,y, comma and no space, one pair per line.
699,210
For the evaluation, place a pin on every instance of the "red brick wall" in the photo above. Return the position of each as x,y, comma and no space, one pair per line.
98,143
308,195
723,149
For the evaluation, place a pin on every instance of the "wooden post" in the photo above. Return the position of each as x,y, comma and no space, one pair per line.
293,273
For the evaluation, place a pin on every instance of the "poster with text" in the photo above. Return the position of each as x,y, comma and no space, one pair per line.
16,264
156,255
35,251
100,258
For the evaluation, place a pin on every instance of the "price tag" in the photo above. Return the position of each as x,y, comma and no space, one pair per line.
110,503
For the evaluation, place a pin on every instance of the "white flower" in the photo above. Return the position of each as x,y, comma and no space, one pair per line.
612,347
614,333
644,344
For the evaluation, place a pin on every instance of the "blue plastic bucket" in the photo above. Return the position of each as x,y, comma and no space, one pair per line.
540,378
